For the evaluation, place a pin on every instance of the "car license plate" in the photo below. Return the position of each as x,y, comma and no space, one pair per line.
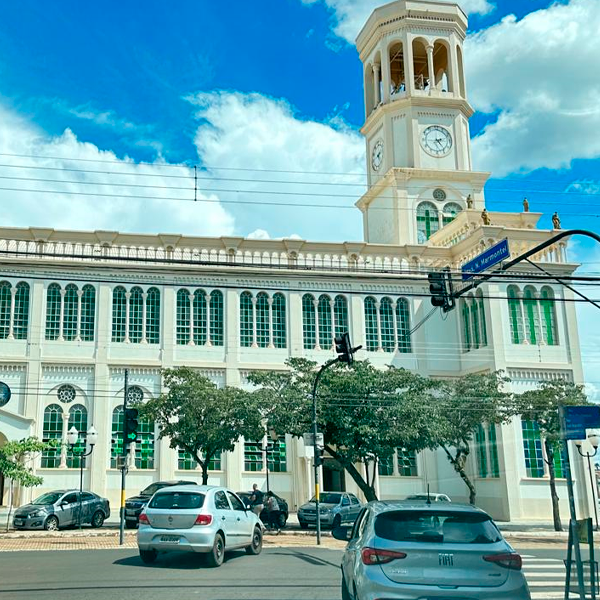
130,512
18,521
169,539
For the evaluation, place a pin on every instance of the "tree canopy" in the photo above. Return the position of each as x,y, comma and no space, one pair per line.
13,455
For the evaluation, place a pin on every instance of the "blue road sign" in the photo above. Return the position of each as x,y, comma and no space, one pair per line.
4,393
578,419
492,256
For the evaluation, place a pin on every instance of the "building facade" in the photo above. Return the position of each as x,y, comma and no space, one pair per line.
77,308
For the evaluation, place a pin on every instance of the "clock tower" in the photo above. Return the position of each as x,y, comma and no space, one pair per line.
419,166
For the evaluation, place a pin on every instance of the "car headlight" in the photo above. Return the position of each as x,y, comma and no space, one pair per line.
324,510
36,513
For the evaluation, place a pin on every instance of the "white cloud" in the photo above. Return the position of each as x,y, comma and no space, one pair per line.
250,141
64,199
539,75
259,234
350,15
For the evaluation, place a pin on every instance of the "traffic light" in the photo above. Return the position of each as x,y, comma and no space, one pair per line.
440,288
130,428
344,348
319,456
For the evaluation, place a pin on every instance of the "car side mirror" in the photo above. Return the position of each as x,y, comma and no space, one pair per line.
64,503
342,533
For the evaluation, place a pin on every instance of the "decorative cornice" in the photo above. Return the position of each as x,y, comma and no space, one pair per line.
12,367
68,368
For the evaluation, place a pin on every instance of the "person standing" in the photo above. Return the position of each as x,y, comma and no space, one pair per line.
272,512
256,500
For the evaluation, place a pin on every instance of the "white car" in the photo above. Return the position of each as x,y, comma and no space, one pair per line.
431,497
197,518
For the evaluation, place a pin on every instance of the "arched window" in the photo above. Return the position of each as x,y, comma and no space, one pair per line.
482,320
450,211
441,68
309,322
116,447
475,322
200,330
53,429
427,221
403,326
21,316
407,462
369,89
548,308
136,306
340,313
53,311
371,324
144,449
182,327
77,419
325,328
119,313
532,316
216,318
70,311
532,448
262,320
466,319
386,315
153,316
515,314
397,75
279,321
5,294
88,313
246,320
420,65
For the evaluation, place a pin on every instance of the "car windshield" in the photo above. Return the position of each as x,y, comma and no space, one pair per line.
437,526
153,488
328,498
177,500
49,498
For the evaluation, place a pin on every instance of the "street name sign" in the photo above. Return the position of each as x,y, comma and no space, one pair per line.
492,256
309,439
4,394
579,418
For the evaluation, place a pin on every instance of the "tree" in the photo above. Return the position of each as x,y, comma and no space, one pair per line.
12,463
364,413
465,403
541,406
201,418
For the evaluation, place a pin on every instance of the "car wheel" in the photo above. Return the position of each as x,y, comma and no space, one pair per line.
97,519
51,523
303,525
256,546
148,556
345,593
337,521
217,554
282,520
130,524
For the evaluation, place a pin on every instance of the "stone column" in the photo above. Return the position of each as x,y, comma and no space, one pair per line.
430,67
331,306
386,81
62,314
78,333
127,299
208,342
191,333
317,332
376,83
378,309
395,322
144,299
254,344
540,314
409,70
11,322
270,302
523,317
63,450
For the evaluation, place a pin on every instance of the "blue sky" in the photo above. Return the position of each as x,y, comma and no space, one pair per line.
272,86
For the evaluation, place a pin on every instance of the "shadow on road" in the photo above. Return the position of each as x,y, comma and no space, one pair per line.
313,560
175,560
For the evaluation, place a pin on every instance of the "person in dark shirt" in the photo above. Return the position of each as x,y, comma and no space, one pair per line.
256,500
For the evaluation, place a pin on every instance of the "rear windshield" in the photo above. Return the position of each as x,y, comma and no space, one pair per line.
177,500
437,527
328,498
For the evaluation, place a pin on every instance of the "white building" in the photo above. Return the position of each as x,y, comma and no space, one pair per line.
76,308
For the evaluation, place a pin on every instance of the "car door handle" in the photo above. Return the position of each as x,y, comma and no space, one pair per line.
238,519
223,518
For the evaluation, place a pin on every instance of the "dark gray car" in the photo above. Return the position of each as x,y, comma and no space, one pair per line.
335,508
60,508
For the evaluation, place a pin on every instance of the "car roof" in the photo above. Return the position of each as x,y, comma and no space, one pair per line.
191,488
173,482
381,506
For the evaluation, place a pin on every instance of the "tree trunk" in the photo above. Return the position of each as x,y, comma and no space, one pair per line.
366,489
553,492
459,462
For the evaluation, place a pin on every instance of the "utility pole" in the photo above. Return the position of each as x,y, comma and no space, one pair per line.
124,460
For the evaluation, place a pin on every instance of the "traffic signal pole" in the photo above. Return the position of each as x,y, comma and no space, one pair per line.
124,461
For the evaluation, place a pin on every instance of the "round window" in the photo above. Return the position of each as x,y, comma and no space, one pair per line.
135,394
439,194
66,393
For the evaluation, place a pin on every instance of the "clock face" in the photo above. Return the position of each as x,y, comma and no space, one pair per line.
377,156
437,141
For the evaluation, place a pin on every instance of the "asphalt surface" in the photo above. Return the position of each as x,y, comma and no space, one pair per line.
281,573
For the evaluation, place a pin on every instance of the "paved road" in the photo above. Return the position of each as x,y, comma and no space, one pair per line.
277,574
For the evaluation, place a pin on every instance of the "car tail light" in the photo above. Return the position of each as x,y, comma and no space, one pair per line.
203,520
510,560
373,556
144,518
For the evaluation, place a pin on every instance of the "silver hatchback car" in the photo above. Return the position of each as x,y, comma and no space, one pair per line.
404,550
197,518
